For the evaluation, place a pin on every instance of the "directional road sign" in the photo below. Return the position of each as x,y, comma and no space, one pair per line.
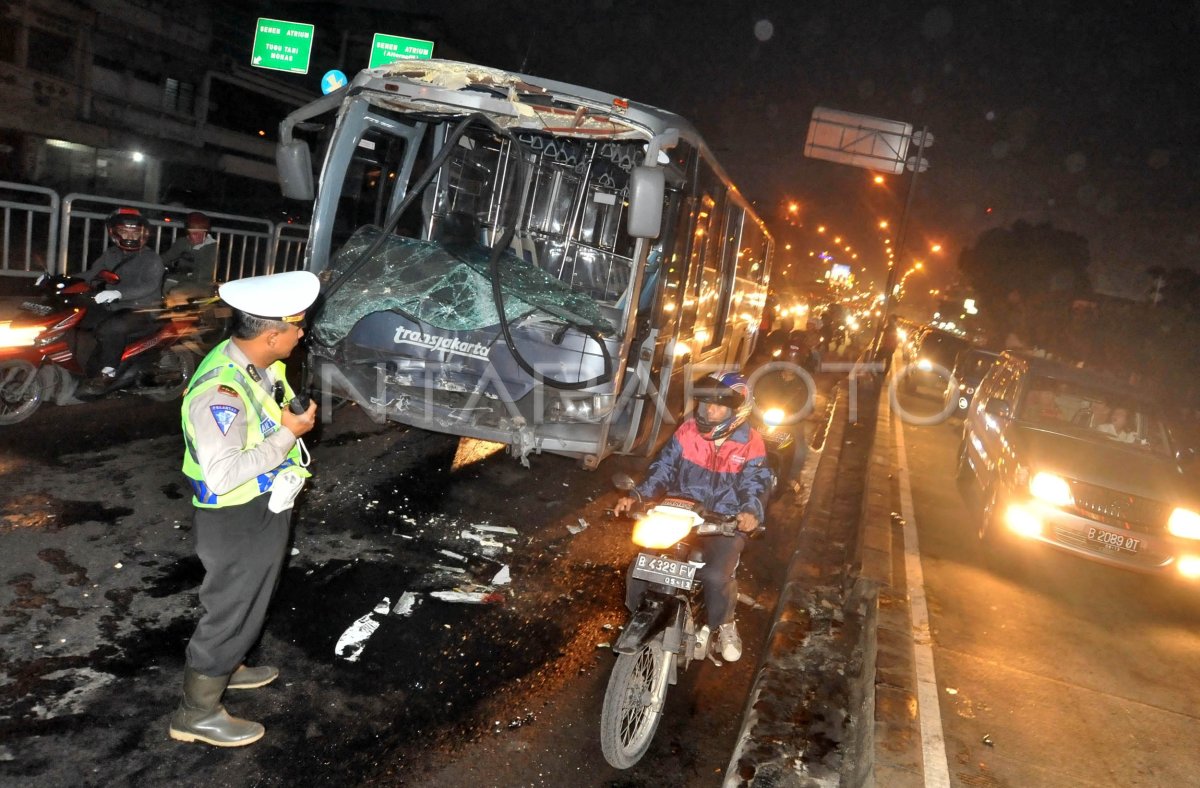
281,45
385,49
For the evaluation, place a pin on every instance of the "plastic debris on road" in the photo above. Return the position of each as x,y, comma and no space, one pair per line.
503,577
485,542
469,597
583,524
987,739
352,642
404,607
951,691
746,599
495,529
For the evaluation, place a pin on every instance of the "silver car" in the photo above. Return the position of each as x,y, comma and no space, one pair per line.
1066,458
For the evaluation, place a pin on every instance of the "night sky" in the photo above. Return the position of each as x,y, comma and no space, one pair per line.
1081,114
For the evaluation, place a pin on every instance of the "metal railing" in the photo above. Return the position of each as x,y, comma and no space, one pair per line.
28,228
39,231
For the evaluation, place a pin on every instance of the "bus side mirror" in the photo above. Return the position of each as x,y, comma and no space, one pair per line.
294,163
647,186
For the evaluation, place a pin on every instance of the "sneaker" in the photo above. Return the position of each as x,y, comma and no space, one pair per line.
729,644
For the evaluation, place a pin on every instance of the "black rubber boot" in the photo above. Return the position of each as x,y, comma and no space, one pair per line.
252,678
201,717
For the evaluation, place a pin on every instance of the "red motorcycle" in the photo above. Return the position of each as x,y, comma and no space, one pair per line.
40,339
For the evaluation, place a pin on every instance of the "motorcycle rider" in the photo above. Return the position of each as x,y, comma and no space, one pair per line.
787,384
191,262
718,460
121,311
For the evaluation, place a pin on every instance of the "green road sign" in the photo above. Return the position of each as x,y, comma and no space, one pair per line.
385,49
283,46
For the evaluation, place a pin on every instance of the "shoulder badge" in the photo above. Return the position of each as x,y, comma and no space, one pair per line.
223,415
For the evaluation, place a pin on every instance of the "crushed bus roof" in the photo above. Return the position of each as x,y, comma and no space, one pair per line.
513,100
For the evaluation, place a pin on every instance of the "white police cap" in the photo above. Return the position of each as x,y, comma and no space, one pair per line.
274,296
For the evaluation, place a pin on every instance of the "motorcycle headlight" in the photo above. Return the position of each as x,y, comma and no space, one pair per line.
659,530
1184,523
773,416
19,336
1051,488
924,365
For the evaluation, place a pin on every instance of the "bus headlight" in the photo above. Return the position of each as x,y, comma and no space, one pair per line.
1184,523
588,408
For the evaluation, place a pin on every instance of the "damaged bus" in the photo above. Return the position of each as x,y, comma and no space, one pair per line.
519,260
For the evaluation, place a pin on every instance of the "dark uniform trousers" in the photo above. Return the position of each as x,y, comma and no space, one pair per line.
721,557
242,548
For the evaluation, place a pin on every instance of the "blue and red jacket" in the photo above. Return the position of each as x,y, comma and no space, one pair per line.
725,480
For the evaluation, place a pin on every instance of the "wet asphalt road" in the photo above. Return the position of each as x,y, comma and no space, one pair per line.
97,600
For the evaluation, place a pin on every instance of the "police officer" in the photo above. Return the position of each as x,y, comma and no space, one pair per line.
246,466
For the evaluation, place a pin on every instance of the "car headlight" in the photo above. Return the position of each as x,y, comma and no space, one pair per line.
924,365
1184,523
1051,488
773,416
19,336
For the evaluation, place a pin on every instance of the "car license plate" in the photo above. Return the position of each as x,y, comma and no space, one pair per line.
1110,540
656,569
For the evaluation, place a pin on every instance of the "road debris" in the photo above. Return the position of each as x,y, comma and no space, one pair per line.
352,642
469,597
503,577
575,529
951,691
495,529
746,599
404,607
987,739
484,541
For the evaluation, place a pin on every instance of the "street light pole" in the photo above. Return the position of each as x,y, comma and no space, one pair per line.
901,238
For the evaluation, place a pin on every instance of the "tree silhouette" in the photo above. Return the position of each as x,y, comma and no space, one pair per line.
1025,278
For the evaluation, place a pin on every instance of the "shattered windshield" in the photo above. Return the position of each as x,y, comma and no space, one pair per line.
447,286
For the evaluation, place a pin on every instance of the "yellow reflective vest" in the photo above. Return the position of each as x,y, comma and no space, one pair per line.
217,369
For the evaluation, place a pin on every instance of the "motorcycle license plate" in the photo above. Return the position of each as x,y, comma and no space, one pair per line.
656,569
1108,540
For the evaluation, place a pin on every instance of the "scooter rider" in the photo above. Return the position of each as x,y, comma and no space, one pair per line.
245,465
191,262
719,460
120,312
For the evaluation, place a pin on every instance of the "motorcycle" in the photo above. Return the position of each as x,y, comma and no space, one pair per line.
778,417
661,638
39,348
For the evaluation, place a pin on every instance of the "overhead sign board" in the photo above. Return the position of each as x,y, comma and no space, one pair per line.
858,140
282,45
385,49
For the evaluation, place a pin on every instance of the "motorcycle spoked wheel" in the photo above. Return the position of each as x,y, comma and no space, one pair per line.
21,391
175,366
631,713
